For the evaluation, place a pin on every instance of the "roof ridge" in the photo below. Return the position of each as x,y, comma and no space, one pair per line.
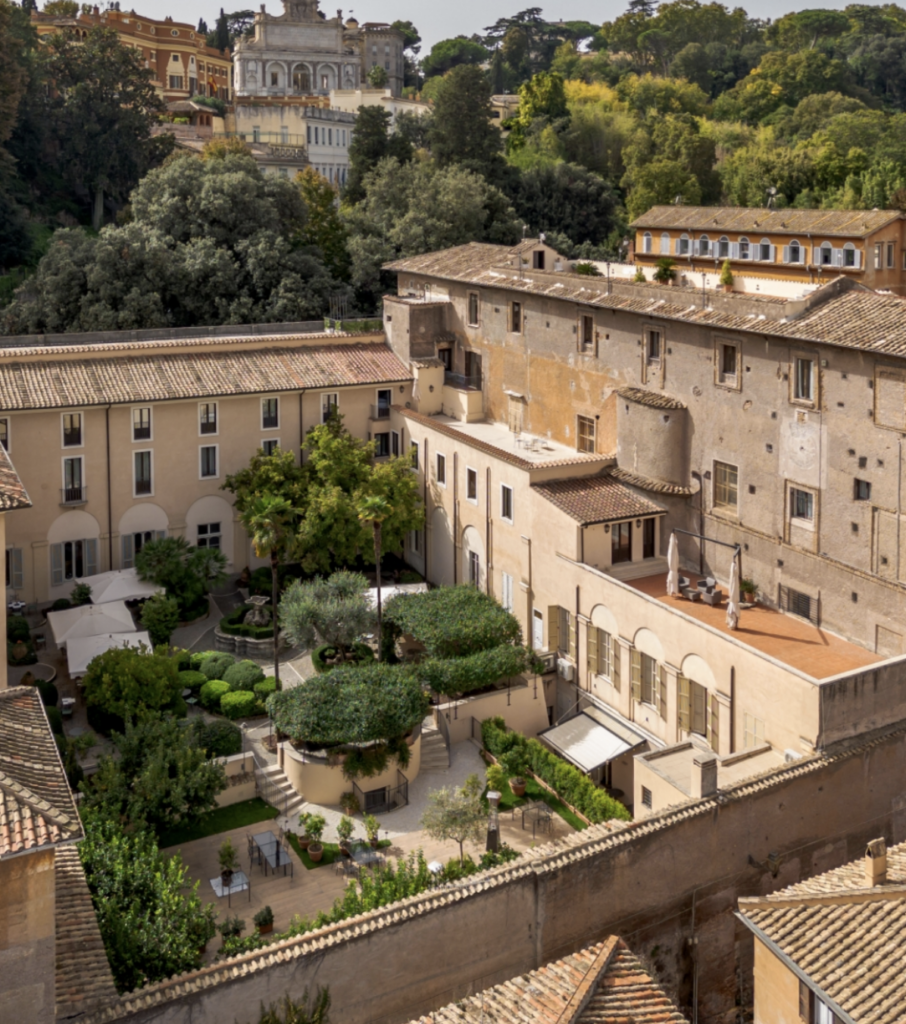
838,897
25,795
589,983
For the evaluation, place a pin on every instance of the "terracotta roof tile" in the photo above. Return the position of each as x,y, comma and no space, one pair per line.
36,804
12,491
596,499
37,378
653,399
647,483
854,223
83,978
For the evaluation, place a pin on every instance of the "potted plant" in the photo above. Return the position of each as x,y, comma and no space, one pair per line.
315,828
496,778
304,838
726,276
372,827
349,803
204,929
230,927
748,590
229,861
664,272
344,832
264,919
511,763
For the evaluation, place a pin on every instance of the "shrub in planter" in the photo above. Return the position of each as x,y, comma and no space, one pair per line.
218,739
215,667
345,828
372,828
231,927
212,692
21,653
321,656
55,718
265,688
17,628
315,826
243,675
349,803
61,604
192,680
264,919
238,704
81,594
234,624
50,696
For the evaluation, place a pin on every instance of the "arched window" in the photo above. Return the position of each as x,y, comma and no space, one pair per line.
849,255
665,243
301,80
766,251
793,252
646,242
683,245
723,248
704,246
745,252
826,255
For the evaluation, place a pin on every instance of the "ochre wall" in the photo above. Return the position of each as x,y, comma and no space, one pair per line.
776,989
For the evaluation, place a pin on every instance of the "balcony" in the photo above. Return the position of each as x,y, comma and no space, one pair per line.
77,495
462,382
380,412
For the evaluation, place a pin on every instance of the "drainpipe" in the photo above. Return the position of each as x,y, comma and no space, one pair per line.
425,501
899,497
109,497
530,630
732,709
487,528
701,520
455,517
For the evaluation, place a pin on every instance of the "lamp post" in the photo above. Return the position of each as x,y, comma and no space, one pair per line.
493,841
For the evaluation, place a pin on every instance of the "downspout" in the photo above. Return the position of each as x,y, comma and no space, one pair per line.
487,527
425,502
109,496
899,498
301,428
732,709
455,516
530,632
701,520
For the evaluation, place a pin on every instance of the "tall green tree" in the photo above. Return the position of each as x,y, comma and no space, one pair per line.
373,511
323,226
462,131
187,573
372,142
333,611
127,685
451,53
456,814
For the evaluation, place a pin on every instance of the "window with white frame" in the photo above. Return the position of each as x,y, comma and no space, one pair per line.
765,251
825,254
603,655
727,363
382,407
879,255
474,569
793,253
134,542
269,445
585,434
73,559
506,503
330,403
141,468
270,413
752,731
723,248
73,481
207,461
704,246
804,379
440,469
653,347
472,485
414,454
646,242
745,251
665,243
208,535
382,445
207,418
506,591
850,255
72,430
726,487
682,245
587,333
802,505
141,424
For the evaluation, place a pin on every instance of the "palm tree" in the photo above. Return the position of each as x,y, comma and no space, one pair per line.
375,510
268,520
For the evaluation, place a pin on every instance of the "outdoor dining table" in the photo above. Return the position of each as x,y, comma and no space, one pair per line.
537,812
366,856
274,854
238,883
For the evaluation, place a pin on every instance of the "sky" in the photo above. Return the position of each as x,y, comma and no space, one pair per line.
437,21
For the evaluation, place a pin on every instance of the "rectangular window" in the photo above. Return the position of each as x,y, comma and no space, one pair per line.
538,260
471,485
647,799
394,443
270,445
506,503
208,461
516,317
743,249
878,257
473,309
588,333
849,255
141,424
766,252
649,680
413,454
72,430
73,482
752,731
621,543
653,347
415,541
585,434
728,356
440,471
15,578
142,463
269,413
208,535
699,708
382,409
601,654
4,432
207,418
861,490
649,532
804,384
726,487
74,559
330,403
474,569
802,504
798,603
175,81
382,445
445,355
506,595
890,255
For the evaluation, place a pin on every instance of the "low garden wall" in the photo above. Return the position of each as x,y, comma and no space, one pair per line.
240,773
523,708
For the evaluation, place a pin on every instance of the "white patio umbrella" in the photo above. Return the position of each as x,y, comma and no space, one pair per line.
82,650
90,620
400,588
733,596
673,567
119,585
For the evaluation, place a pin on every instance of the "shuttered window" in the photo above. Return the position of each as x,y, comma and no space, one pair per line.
649,682
72,559
14,575
553,627
683,704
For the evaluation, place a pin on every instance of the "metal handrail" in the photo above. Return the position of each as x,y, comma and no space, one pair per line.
74,495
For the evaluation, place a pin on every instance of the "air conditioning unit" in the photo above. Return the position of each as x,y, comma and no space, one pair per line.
548,662
791,755
565,669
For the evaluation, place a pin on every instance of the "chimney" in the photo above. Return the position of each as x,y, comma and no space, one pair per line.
704,775
876,863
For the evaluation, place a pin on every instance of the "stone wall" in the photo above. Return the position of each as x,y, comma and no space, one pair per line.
659,883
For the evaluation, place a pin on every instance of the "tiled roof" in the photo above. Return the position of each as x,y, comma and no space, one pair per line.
83,978
36,378
12,490
838,918
601,984
647,483
854,223
36,805
654,399
855,319
596,499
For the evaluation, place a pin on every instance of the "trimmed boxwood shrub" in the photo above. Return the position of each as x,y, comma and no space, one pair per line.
219,739
360,653
17,628
183,660
233,625
61,604
55,717
215,667
243,675
265,688
240,704
211,693
571,785
199,657
50,696
192,680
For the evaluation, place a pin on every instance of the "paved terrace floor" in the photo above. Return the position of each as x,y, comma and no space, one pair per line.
789,639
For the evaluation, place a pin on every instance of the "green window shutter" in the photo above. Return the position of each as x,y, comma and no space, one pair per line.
553,627
683,704
16,576
662,692
91,557
128,550
573,638
615,654
636,658
56,565
591,647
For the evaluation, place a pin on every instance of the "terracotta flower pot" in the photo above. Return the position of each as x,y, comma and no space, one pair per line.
226,877
518,787
304,842
374,843
263,929
315,851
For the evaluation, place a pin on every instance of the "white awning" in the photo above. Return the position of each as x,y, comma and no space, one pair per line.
82,650
119,585
392,591
90,620
585,742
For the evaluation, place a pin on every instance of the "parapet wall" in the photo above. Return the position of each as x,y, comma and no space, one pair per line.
658,883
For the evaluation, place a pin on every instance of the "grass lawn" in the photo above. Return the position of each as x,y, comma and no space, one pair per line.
535,792
223,819
331,851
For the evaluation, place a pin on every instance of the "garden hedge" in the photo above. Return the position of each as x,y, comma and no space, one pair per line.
17,628
55,718
183,660
243,675
50,695
219,739
199,657
233,625
571,785
192,680
215,667
239,704
360,653
212,692
265,688
28,658
61,604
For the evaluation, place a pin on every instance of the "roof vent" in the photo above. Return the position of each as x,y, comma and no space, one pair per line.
876,863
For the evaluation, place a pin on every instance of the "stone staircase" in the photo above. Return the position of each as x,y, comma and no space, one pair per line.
434,749
278,791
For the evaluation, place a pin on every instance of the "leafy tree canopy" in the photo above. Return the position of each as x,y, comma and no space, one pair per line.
335,611
131,684
450,53
372,141
187,573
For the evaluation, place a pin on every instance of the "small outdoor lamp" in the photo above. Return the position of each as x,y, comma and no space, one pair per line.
435,867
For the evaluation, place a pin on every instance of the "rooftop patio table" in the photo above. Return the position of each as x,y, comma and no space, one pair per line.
366,856
238,883
273,853
538,813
